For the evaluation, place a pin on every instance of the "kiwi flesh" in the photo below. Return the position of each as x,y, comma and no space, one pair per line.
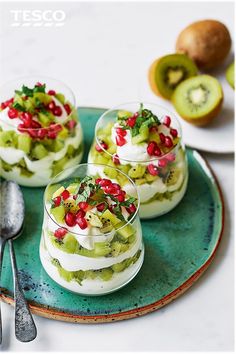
230,74
168,71
199,99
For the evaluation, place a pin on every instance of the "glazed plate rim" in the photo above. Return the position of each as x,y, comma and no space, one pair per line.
53,313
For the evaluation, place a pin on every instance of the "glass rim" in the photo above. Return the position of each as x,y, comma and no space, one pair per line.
75,168
172,115
39,77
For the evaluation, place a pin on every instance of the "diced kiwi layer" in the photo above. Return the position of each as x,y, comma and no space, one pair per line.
39,152
119,244
104,274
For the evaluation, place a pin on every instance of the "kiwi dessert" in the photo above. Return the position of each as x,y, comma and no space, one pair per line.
230,75
147,147
39,135
167,72
198,100
91,232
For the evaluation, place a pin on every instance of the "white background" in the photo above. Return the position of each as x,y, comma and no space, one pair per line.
103,52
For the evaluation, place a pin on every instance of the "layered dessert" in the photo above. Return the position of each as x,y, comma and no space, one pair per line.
148,148
40,135
91,238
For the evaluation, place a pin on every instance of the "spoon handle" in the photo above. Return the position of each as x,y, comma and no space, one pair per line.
25,329
2,246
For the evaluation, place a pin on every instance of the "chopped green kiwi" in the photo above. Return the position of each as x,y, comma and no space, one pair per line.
126,231
24,143
124,168
230,74
106,274
106,226
174,179
58,213
70,151
198,99
119,267
70,243
93,219
39,152
7,138
112,149
142,136
60,97
70,205
42,97
50,190
63,134
124,114
59,165
100,159
101,249
140,181
110,171
44,119
57,145
6,166
167,72
107,215
137,171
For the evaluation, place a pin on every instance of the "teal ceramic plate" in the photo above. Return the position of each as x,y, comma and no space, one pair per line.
179,247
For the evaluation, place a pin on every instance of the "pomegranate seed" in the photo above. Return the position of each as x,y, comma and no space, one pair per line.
98,180
55,127
67,108
57,201
83,205
52,135
131,209
110,190
12,113
33,133
115,159
157,151
71,124
80,214
21,128
9,102
57,111
100,207
104,182
174,133
151,147
162,137
136,114
52,92
42,133
26,118
60,233
82,223
121,196
121,132
70,219
162,163
131,121
65,194
3,105
35,124
153,129
102,146
170,157
51,105
167,121
168,142
120,140
152,169
38,84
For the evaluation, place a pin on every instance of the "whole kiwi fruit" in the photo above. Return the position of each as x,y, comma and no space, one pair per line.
207,42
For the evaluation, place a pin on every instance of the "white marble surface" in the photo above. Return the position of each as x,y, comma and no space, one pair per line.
103,52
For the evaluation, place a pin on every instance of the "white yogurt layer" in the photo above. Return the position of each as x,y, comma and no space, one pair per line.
91,286
157,207
73,262
41,168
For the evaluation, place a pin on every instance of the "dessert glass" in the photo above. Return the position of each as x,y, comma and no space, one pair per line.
89,259
40,133
161,181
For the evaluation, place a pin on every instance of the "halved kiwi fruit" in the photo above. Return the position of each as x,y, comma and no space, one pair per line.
230,74
199,99
168,71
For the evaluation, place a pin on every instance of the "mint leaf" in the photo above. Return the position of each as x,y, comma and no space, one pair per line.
19,107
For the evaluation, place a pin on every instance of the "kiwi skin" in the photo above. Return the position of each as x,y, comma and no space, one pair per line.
230,74
207,42
151,77
207,118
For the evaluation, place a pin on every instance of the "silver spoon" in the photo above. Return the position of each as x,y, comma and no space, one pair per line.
11,223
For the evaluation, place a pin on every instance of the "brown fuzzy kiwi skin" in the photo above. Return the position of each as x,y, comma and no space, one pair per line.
204,120
206,42
151,78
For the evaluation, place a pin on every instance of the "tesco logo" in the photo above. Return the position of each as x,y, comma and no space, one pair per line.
38,18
